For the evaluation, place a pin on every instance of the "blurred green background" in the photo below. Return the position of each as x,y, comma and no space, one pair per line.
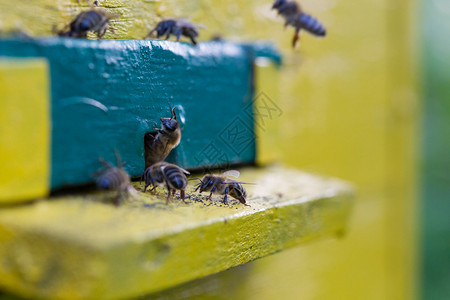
436,149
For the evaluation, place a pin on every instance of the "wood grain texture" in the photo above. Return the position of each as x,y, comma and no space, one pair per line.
80,246
105,95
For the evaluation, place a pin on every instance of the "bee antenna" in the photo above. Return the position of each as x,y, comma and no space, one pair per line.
104,162
172,111
118,159
195,179
142,176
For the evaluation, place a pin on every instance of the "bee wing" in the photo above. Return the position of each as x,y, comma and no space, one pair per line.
201,26
231,173
232,181
185,171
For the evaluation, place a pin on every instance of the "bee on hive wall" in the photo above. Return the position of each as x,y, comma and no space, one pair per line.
169,175
95,20
295,17
159,143
176,27
220,184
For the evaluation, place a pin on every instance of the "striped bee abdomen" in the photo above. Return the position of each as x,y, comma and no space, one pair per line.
237,191
175,177
113,179
90,20
311,25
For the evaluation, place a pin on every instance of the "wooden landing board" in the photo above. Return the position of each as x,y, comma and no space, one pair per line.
82,247
106,94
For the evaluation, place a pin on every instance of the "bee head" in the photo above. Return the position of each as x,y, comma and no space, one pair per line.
103,183
172,123
278,4
169,125
206,184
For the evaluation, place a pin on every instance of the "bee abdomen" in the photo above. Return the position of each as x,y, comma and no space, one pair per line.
113,179
238,191
312,25
90,20
176,178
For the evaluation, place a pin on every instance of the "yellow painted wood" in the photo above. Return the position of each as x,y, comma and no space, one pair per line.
404,124
267,112
24,129
81,247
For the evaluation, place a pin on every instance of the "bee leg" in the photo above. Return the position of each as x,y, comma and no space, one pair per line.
166,32
168,198
212,191
182,195
168,193
226,195
296,38
243,202
194,42
178,34
149,34
101,32
117,199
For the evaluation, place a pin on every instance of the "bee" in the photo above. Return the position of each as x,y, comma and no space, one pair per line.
95,20
114,178
159,143
165,174
295,17
220,184
176,27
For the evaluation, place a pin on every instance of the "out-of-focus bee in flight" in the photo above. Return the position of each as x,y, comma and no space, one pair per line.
176,27
159,143
222,185
295,17
169,175
96,20
114,178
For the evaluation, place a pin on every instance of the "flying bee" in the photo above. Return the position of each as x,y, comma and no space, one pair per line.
95,20
165,174
176,27
295,17
114,178
159,143
220,184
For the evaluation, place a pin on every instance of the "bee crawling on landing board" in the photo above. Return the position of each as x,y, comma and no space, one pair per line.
220,184
114,178
159,143
295,17
176,27
169,175
95,20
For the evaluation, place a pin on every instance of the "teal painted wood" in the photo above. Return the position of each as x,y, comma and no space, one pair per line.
106,94
436,150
